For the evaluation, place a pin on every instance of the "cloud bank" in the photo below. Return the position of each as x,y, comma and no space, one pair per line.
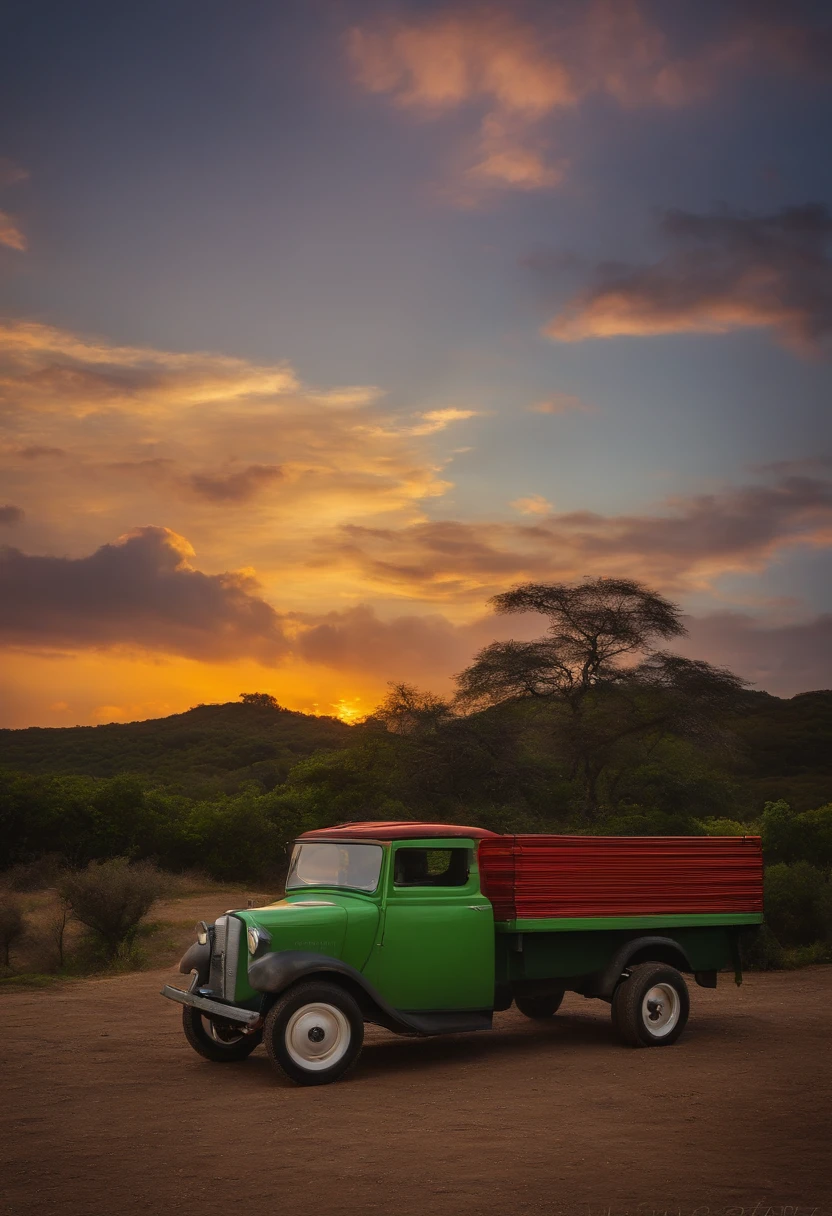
524,64
322,491
686,544
723,272
141,592
224,450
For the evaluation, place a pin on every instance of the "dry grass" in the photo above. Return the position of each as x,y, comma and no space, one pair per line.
164,935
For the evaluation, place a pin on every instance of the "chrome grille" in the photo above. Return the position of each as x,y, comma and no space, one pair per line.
225,956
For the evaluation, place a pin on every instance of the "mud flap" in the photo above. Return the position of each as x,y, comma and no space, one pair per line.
736,958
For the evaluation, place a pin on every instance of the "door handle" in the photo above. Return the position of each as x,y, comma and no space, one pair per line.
480,907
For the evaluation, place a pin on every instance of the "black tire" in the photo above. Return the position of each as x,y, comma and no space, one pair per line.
539,1007
312,1023
642,1021
220,1041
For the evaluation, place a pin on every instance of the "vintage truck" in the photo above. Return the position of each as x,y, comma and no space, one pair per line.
429,929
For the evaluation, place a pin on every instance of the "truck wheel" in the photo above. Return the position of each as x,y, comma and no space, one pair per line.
650,1008
220,1040
539,1007
314,1033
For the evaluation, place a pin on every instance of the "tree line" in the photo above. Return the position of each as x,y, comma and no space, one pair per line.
595,726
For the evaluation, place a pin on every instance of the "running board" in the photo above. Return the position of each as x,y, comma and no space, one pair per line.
446,1023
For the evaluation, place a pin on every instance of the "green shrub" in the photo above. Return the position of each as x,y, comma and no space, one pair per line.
761,951
807,956
110,898
798,903
727,827
782,833
646,821
817,835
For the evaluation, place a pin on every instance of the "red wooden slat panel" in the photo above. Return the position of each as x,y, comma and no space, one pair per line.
543,876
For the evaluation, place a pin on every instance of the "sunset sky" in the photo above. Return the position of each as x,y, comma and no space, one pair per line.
321,322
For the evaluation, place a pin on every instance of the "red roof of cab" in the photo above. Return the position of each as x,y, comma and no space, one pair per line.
396,829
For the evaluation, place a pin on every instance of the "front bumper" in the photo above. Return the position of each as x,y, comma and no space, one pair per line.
216,1009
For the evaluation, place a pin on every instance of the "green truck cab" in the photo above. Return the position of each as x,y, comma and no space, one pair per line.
388,923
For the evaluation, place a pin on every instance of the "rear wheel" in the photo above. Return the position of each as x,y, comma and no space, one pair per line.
314,1033
539,1007
650,1008
219,1040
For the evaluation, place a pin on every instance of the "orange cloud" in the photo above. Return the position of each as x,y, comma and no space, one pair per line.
49,368
238,486
563,403
525,63
438,420
98,437
724,272
686,544
535,504
11,234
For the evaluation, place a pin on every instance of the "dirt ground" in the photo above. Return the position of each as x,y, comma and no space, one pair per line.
105,1109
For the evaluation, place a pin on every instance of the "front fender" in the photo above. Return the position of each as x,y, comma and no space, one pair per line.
197,958
279,970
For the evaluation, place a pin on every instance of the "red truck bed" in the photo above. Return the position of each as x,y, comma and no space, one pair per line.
532,877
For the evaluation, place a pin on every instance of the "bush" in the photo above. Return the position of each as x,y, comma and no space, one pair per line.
111,897
12,925
727,827
34,875
817,829
783,833
798,903
761,951
635,820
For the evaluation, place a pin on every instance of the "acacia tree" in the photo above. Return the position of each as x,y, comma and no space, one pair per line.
408,711
600,670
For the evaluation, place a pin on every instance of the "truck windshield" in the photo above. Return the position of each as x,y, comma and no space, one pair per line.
320,864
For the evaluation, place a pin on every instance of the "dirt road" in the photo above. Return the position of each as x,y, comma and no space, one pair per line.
105,1110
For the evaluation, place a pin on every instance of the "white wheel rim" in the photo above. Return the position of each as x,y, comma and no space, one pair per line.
317,1036
660,1010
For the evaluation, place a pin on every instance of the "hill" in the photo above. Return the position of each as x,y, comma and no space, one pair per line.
783,750
208,748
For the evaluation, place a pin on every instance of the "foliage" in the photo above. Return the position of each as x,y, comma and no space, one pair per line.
592,625
725,827
783,748
598,705
111,897
209,749
798,903
12,925
788,836
34,875
260,698
407,711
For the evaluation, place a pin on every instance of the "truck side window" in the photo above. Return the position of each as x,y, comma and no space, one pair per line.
431,867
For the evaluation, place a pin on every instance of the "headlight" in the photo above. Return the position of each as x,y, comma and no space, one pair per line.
256,938
202,933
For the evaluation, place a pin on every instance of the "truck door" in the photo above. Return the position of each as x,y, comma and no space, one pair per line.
437,948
